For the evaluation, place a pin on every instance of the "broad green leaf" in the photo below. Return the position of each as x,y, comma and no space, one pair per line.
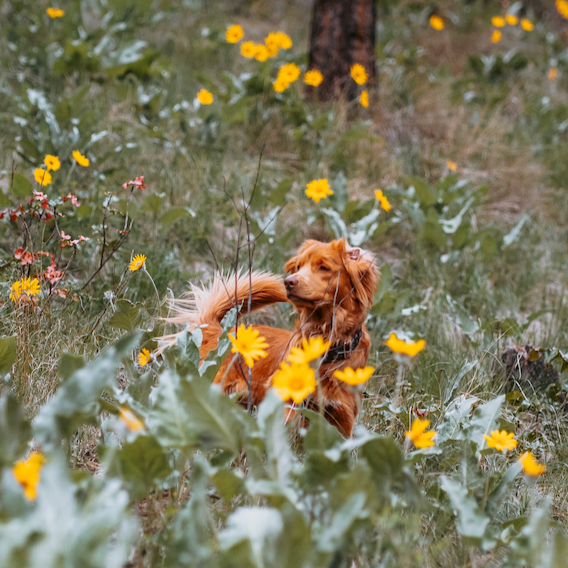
471,522
127,316
69,525
454,383
485,418
192,413
385,458
175,213
21,186
68,364
229,482
333,538
456,418
140,463
76,401
514,233
500,491
15,430
7,354
279,458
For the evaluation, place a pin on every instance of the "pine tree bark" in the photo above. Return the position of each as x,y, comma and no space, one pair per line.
342,34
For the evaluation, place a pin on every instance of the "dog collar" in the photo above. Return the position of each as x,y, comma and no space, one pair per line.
343,349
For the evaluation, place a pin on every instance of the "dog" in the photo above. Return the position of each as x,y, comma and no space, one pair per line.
331,286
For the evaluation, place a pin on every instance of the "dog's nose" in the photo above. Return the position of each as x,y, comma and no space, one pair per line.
290,283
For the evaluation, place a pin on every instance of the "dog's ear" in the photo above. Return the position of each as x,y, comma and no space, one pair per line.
363,273
291,264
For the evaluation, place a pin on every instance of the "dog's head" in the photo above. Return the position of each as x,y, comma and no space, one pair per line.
331,274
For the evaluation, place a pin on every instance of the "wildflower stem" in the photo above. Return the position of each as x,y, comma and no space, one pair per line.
155,290
397,390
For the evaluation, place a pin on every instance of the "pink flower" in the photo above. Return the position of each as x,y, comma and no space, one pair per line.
138,182
73,199
24,256
52,274
65,237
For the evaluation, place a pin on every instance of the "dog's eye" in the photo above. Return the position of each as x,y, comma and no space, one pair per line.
324,268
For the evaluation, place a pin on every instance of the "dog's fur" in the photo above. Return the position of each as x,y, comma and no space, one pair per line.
331,285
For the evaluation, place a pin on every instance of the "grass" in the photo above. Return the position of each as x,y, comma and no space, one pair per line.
507,137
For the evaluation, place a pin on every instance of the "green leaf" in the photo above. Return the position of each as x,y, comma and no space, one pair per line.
15,429
485,418
456,418
191,413
229,482
153,203
127,316
7,354
68,364
455,382
76,401
471,522
21,187
500,491
175,213
141,463
514,233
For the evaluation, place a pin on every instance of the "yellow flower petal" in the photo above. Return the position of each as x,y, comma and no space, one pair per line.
312,349
359,74
248,343
364,99
27,474
294,382
527,25
205,97
318,189
418,435
452,166
401,347
43,177
80,159
382,200
496,36
511,20
55,13
130,420
137,262
144,357
501,441
354,376
313,78
498,21
436,22
530,465
234,34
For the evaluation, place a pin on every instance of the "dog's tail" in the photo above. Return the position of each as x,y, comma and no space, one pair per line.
209,305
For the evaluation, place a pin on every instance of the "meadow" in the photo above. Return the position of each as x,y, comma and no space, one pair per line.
139,137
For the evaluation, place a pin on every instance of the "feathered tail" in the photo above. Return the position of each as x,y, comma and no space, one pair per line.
210,305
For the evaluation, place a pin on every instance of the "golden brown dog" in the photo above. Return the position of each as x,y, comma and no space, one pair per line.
331,286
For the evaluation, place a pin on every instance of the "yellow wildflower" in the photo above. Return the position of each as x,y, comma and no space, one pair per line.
562,7
501,441
205,97
144,357
289,72
401,347
55,13
248,343
511,20
496,37
137,262
383,200
419,437
359,74
280,85
354,376
283,40
552,73
52,162
294,382
312,349
130,420
313,77
452,166
248,49
436,22
262,53
80,159
531,466
498,21
234,33
27,474
43,177
24,286
527,25
318,189
364,99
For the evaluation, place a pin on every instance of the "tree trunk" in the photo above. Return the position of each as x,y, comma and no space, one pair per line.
342,34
